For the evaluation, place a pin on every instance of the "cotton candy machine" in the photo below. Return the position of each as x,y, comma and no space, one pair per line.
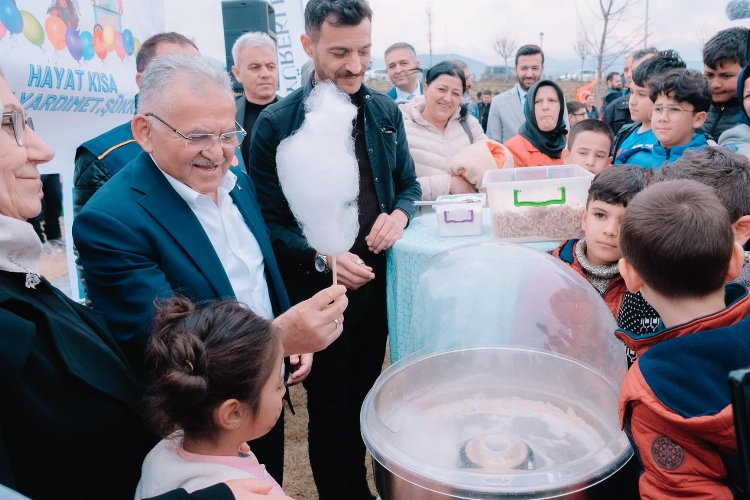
512,390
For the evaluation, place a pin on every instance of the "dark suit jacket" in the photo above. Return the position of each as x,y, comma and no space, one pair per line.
138,240
69,428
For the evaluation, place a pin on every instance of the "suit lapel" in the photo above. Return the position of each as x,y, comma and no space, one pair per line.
171,212
517,107
240,113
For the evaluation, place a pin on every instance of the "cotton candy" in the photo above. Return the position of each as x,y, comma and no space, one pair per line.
318,171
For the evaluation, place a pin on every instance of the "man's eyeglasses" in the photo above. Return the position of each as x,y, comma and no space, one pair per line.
672,112
17,122
579,115
202,142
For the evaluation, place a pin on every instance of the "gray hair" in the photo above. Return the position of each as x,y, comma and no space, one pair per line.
252,39
400,45
201,74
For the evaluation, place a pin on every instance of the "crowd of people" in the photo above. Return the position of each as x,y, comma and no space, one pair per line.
205,299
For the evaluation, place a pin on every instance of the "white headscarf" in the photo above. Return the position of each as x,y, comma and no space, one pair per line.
20,249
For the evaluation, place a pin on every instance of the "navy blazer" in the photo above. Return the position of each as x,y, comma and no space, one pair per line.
138,241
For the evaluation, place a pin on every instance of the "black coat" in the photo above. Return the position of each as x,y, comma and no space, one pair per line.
69,428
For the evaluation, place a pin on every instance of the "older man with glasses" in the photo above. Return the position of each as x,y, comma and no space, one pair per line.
179,220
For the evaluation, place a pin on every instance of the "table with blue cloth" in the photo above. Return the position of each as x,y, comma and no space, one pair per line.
406,261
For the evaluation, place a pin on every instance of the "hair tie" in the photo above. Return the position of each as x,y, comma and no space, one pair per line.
189,365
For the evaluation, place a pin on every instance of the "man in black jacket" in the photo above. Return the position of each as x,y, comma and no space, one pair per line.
338,39
723,60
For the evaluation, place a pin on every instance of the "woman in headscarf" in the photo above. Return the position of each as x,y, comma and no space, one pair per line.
737,138
542,137
69,426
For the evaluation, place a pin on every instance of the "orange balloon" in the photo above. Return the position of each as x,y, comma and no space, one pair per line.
99,46
109,37
55,28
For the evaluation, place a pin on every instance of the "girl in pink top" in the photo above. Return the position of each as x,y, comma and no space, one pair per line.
216,381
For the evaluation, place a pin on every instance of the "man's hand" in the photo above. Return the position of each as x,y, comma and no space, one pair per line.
303,362
386,231
309,326
253,489
351,271
459,185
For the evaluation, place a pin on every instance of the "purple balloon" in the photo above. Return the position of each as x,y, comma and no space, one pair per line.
73,41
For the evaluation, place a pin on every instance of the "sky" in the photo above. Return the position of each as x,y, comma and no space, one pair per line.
469,27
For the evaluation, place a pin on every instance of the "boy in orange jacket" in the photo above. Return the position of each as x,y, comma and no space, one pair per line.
595,256
679,250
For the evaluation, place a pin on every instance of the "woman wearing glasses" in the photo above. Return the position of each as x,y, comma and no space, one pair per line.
68,419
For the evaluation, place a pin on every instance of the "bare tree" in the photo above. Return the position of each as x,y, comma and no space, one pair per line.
604,39
581,48
428,11
506,47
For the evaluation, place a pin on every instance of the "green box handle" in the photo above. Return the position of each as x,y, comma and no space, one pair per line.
560,201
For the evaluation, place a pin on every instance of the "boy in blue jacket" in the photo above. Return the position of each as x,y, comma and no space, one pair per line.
681,100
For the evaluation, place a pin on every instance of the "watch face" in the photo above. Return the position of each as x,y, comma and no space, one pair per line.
320,264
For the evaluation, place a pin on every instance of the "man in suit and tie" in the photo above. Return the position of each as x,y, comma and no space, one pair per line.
506,111
403,69
178,220
255,67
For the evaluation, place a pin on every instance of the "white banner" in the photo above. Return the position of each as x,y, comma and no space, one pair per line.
71,63
290,24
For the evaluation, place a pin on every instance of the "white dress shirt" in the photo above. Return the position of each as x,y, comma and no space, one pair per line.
403,96
234,243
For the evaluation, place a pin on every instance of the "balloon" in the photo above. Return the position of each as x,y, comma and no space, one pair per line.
73,41
127,41
32,30
109,37
99,46
119,47
3,30
87,45
11,16
55,28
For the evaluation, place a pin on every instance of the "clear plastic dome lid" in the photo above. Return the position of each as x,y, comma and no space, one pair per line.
514,389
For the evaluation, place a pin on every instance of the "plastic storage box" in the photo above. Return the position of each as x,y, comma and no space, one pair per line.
537,203
459,214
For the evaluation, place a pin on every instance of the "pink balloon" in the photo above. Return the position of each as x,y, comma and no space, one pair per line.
3,30
119,46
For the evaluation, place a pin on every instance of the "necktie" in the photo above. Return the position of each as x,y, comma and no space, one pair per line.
410,97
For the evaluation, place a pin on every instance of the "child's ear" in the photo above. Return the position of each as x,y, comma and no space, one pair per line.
583,218
741,229
565,155
736,262
632,279
611,160
699,119
228,415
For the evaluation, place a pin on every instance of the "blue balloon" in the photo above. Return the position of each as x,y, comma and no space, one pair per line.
11,16
87,43
73,41
128,42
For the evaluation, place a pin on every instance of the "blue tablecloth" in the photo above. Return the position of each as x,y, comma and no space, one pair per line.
407,259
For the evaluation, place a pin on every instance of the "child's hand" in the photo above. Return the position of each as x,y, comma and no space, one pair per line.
253,489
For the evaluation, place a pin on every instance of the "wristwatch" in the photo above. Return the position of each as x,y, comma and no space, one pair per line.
321,263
